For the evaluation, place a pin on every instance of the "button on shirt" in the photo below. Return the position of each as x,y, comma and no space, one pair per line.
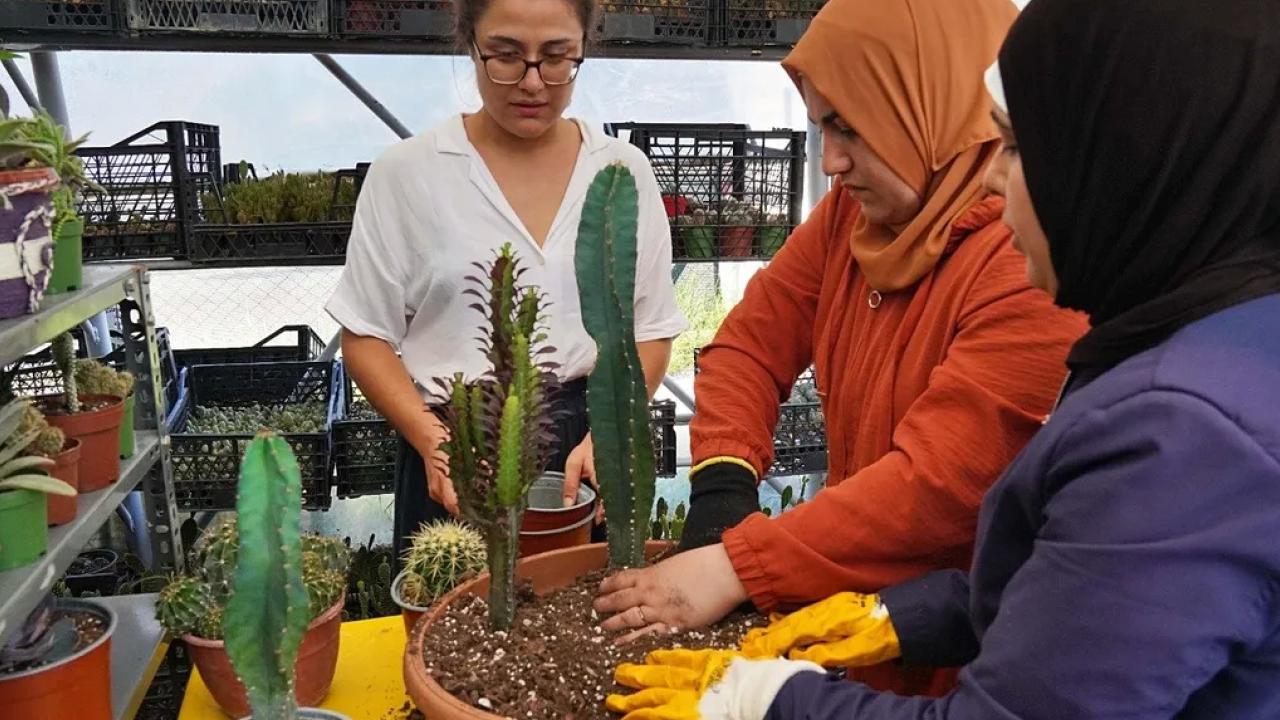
429,208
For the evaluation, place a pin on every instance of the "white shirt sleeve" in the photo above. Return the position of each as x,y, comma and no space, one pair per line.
370,297
657,317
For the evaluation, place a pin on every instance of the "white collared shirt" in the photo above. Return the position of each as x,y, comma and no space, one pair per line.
429,208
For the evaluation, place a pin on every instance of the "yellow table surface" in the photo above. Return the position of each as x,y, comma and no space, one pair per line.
368,684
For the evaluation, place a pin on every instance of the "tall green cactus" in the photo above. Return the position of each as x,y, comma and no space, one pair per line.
617,399
63,349
501,433
268,611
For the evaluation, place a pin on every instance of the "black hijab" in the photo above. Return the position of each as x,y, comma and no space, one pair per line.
1150,140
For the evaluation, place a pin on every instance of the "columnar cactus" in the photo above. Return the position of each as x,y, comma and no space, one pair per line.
617,399
501,434
269,607
440,556
63,348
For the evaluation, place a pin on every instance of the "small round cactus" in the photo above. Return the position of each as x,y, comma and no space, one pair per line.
210,626
214,556
324,571
441,555
183,605
50,440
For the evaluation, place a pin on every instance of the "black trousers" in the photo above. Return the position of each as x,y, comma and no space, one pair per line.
414,504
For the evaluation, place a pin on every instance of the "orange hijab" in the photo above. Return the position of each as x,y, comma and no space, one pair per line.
907,75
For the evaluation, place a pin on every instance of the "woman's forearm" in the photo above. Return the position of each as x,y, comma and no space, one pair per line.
655,356
387,385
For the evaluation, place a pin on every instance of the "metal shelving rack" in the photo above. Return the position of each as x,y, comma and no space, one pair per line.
138,641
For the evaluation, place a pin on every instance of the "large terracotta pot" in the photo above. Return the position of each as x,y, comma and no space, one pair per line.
99,434
548,572
317,659
66,467
77,687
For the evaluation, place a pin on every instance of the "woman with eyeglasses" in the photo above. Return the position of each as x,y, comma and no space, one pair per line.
515,171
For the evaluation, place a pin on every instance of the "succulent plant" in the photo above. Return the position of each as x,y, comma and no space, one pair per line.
49,439
19,470
269,608
369,583
501,432
281,197
305,417
95,378
183,605
212,566
440,556
63,349
617,398
53,149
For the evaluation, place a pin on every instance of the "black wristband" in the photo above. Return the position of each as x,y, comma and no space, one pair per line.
722,495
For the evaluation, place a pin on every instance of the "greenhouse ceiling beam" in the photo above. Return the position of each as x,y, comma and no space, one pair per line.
363,95
20,82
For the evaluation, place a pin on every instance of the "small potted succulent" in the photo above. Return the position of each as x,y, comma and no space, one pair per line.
196,607
92,418
773,233
696,235
738,221
26,218
440,556
58,663
24,485
52,443
94,378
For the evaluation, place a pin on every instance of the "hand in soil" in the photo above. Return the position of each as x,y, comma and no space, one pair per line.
691,590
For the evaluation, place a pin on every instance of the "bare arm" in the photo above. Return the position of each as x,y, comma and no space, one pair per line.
655,356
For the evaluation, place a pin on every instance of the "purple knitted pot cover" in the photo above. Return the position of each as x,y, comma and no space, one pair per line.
15,293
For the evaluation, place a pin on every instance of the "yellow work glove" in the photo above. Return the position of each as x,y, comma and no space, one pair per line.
701,685
845,630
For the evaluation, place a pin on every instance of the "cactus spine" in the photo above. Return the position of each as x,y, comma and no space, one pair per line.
184,605
500,428
268,611
440,556
617,398
64,356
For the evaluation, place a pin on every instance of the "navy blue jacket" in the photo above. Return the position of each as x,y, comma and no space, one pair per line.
1127,562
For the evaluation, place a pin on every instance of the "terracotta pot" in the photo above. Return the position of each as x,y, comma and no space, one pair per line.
547,572
66,467
99,434
736,241
76,687
317,659
545,541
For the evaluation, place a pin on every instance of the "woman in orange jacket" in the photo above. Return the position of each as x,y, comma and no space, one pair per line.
935,359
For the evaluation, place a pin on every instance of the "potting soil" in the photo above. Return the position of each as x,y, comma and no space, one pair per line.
556,663
89,627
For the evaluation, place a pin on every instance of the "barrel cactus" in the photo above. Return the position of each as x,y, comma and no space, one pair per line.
501,433
183,605
94,378
617,399
440,556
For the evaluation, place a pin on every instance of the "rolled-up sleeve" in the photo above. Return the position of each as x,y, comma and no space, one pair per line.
370,297
658,317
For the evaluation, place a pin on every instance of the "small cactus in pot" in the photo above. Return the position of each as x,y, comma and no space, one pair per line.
440,557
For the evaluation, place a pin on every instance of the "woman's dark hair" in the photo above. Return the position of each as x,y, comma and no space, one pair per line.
467,12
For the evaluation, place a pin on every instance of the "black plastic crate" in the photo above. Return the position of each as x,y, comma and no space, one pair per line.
364,448
96,16
800,440
206,467
291,343
294,243
258,17
662,416
408,19
152,183
758,23
655,22
732,193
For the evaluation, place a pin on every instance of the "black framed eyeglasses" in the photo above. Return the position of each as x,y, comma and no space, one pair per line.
510,68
